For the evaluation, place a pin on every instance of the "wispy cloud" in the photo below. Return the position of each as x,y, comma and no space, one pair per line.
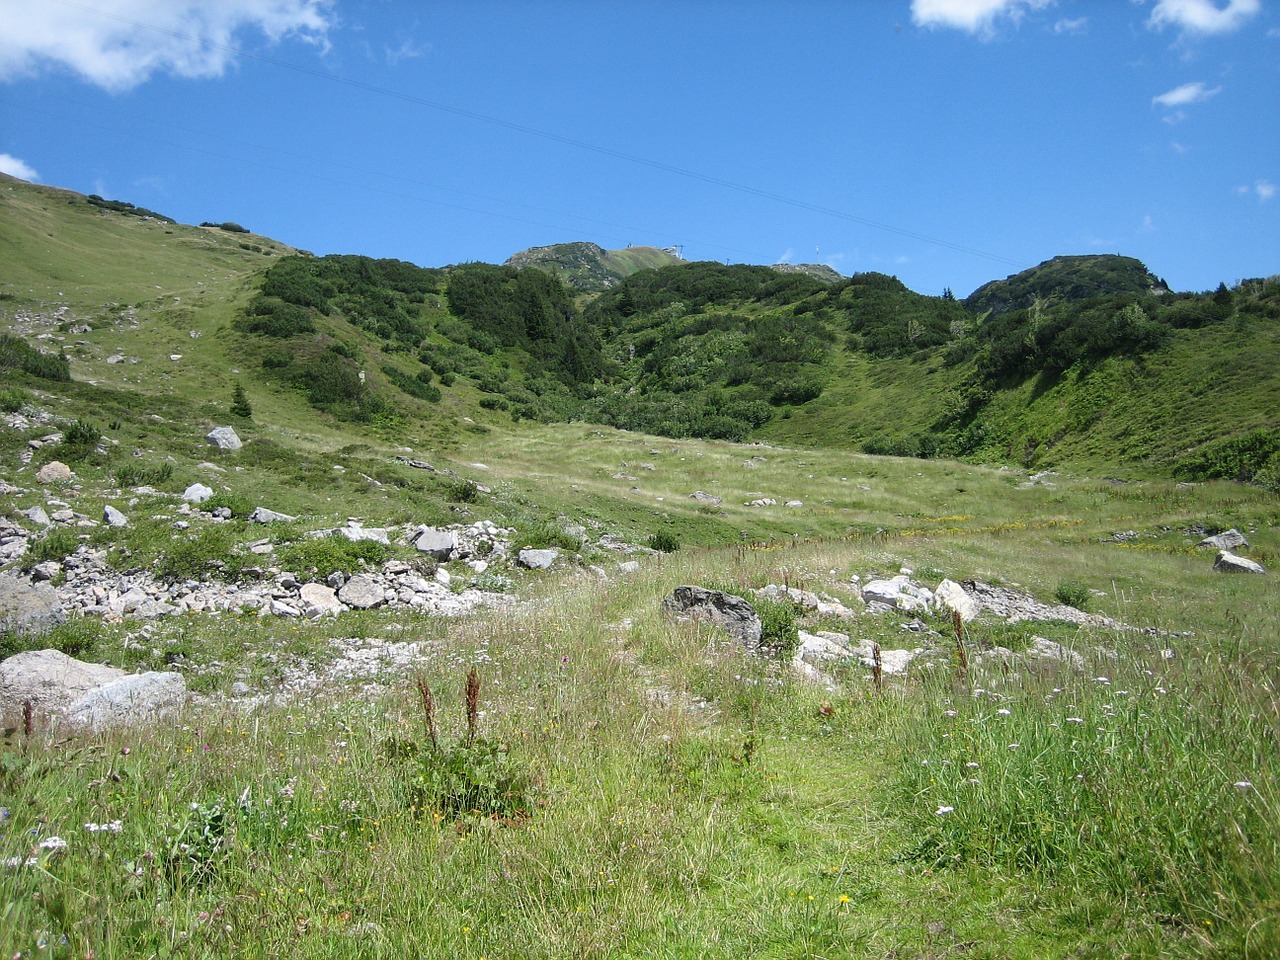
407,50
119,44
17,168
787,256
1203,16
972,16
1077,25
1186,94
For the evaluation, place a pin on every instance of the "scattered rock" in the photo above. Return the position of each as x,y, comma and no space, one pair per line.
49,680
724,610
263,515
113,517
28,608
708,499
362,592
436,543
319,600
37,515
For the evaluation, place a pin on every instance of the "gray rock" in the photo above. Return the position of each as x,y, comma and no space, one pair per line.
197,493
532,559
629,566
224,438
794,503
319,600
37,515
709,499
113,517
899,593
280,608
263,515
362,592
240,689
48,570
27,608
436,543
1229,563
139,698
1227,540
724,610
54,471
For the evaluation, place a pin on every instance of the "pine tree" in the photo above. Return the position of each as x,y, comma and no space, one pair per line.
240,403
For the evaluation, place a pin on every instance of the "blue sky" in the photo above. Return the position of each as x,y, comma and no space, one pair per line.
948,142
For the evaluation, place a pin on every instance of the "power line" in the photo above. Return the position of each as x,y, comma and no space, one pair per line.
554,137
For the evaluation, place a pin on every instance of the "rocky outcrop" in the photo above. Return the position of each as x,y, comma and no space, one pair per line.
724,610
224,438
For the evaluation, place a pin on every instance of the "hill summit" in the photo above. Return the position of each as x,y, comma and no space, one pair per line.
590,268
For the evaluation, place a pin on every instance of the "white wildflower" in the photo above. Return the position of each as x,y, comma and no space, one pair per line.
943,811
53,844
115,826
1243,785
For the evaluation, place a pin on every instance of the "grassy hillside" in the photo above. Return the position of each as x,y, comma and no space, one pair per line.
623,784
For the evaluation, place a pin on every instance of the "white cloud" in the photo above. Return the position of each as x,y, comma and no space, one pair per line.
786,257
1187,93
118,44
971,16
1203,16
1265,189
17,168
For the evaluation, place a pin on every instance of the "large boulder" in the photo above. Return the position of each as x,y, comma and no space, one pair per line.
55,471
197,493
49,680
138,698
953,597
27,608
1227,540
1228,562
224,438
532,559
724,610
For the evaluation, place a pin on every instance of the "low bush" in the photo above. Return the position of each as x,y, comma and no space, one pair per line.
322,556
664,541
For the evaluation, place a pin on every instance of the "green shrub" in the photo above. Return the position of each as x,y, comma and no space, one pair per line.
1072,594
462,491
239,506
778,630
199,553
81,434
13,399
664,541
137,475
547,533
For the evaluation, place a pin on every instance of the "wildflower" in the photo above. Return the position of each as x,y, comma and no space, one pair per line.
949,713
844,898
1075,719
115,826
943,811
972,764
53,844
1014,746
1003,712
1243,785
